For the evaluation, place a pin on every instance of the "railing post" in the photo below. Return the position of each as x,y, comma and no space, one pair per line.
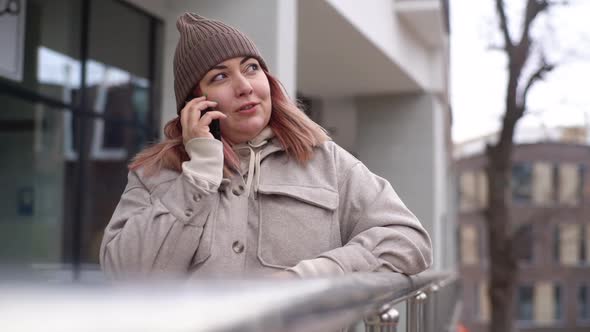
431,314
415,313
385,321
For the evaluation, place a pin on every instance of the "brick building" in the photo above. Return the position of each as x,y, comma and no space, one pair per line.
551,215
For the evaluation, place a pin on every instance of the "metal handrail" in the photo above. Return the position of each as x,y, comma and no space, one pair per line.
211,305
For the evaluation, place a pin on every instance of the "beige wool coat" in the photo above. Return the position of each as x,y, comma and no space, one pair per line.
328,217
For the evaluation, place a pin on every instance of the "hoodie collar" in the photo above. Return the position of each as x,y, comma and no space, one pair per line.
251,154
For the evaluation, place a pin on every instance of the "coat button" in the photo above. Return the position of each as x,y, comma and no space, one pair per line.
188,212
237,247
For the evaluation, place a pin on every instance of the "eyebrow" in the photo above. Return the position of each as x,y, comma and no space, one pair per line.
241,63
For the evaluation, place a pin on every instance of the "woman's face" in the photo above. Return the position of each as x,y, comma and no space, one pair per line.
242,92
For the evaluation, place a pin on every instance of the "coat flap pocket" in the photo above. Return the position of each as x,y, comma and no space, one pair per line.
318,196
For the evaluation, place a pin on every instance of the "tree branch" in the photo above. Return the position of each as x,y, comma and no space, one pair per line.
533,8
496,47
508,45
539,74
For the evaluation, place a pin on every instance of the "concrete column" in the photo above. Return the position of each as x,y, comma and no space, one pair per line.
271,24
401,138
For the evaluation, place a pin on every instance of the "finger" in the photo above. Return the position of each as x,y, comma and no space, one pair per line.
184,117
195,100
194,114
189,104
208,117
201,106
205,104
191,113
200,109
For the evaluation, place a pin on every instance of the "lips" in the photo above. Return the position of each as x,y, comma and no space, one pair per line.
247,107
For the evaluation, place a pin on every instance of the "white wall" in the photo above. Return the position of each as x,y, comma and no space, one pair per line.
286,39
440,211
380,24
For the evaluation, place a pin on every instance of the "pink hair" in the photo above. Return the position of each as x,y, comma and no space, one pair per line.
295,131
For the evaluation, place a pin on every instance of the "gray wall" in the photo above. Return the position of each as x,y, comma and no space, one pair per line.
339,117
401,137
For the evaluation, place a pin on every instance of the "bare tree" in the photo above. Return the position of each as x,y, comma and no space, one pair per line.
527,64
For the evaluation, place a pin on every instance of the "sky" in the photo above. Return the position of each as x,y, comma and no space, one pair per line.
478,74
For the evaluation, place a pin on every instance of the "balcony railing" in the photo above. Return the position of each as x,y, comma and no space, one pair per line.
358,302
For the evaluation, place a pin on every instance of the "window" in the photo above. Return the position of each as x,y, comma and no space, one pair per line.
556,245
467,191
32,177
521,184
481,183
547,303
570,184
583,303
469,244
581,181
583,248
571,244
50,214
541,303
585,245
483,302
543,184
558,313
473,191
524,304
524,244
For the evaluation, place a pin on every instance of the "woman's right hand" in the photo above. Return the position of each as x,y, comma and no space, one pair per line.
193,124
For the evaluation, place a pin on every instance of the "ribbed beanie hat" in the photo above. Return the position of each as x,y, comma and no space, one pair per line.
203,44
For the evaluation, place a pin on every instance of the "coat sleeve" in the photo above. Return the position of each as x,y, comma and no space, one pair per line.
378,231
159,234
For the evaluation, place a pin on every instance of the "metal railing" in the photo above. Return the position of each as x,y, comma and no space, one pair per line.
326,304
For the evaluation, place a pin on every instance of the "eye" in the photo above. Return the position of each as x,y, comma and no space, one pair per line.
218,77
251,67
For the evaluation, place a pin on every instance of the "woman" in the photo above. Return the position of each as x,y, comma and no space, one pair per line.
272,196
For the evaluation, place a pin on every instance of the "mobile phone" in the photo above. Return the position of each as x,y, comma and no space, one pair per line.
214,127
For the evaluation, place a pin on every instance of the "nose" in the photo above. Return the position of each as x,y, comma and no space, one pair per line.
242,86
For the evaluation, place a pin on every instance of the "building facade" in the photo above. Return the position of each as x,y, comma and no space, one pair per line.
550,219
97,86
83,98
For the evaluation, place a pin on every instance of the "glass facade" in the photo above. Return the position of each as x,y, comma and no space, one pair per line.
84,107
